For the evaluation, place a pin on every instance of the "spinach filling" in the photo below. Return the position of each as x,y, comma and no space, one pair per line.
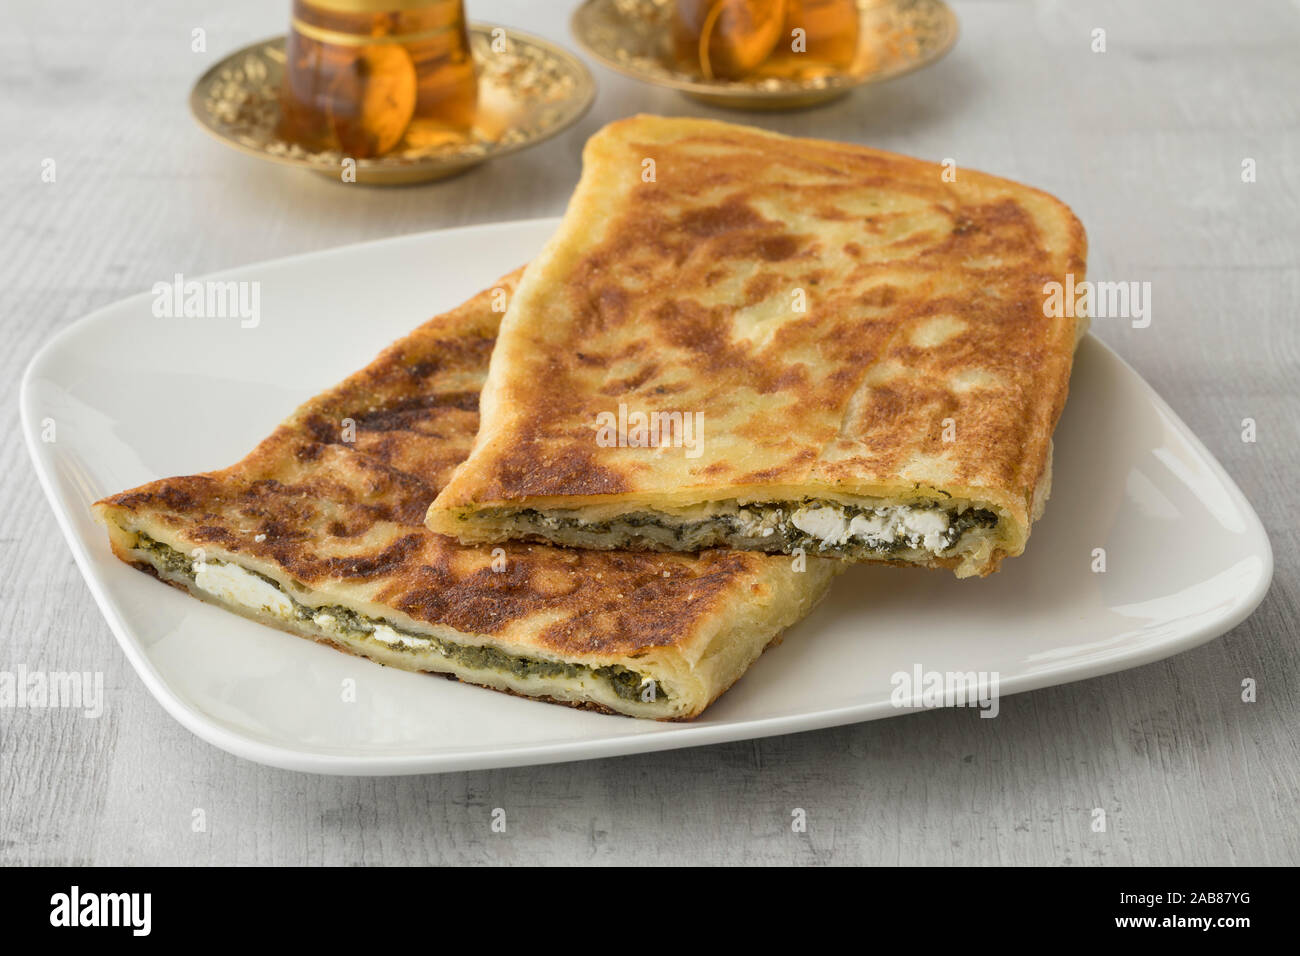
745,527
166,558
627,684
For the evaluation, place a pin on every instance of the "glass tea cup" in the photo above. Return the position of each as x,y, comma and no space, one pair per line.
365,77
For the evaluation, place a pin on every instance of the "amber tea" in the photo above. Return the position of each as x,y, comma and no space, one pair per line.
793,39
367,76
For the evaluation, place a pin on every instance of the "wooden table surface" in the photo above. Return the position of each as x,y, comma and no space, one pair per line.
1146,142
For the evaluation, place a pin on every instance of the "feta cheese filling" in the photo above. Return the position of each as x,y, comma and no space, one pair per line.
881,528
231,583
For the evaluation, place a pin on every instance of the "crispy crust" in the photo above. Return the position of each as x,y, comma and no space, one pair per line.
924,302
331,507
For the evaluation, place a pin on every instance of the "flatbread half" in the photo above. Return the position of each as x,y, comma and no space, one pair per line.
742,339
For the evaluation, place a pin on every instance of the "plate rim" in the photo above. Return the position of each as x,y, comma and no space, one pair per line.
676,736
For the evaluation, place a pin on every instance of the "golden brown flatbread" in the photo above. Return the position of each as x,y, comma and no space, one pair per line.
745,340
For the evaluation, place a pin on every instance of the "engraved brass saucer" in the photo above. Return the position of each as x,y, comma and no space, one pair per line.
529,92
634,38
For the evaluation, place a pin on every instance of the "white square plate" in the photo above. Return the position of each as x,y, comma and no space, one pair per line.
133,397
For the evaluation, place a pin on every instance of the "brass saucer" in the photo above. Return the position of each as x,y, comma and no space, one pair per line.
528,93
634,38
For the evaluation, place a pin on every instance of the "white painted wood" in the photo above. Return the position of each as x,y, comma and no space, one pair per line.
1145,141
